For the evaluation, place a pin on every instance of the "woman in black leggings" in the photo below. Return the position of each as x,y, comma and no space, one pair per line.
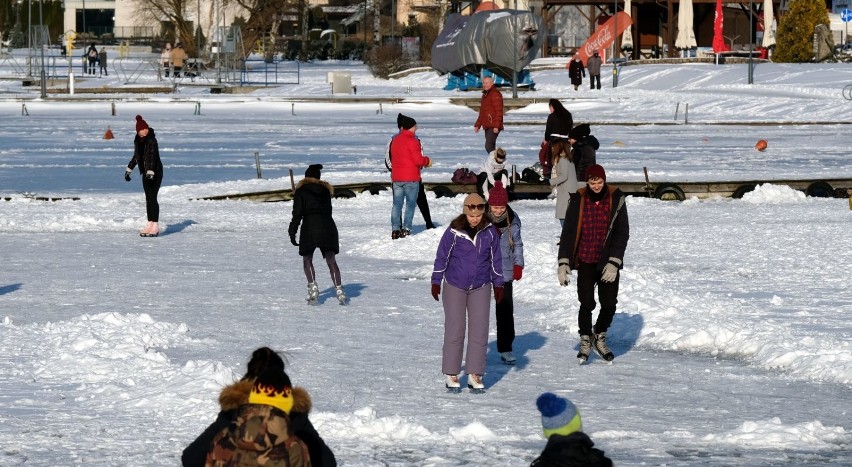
146,154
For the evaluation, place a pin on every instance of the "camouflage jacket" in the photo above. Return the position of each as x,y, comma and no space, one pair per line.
258,435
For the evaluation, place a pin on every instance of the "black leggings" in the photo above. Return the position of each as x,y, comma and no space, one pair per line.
423,204
310,273
151,188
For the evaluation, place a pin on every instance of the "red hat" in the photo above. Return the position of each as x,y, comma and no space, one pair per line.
497,196
141,124
595,171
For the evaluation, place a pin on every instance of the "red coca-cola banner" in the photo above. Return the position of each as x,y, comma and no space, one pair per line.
603,37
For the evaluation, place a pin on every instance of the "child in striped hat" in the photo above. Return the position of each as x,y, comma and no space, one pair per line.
567,445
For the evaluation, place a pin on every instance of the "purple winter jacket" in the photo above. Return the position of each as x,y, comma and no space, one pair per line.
468,263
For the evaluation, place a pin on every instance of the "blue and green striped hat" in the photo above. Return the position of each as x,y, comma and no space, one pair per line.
559,416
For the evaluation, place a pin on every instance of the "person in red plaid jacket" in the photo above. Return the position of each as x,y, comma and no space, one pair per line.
593,241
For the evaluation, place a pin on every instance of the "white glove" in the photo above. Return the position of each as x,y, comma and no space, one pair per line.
564,272
149,174
610,271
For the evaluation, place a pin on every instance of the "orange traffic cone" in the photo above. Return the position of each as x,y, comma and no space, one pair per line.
108,134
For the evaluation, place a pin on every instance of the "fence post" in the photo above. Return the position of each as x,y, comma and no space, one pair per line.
257,164
293,108
24,110
197,108
113,109
677,109
686,113
292,182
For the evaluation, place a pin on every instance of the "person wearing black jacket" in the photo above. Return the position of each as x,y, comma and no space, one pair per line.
559,124
146,153
312,209
235,395
594,238
584,149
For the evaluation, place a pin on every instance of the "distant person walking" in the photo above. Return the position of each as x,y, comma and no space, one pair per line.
178,58
92,58
564,178
102,59
594,238
594,65
312,210
166,59
559,124
408,161
469,263
490,118
146,154
576,71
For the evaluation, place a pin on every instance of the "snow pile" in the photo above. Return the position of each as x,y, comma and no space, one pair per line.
767,193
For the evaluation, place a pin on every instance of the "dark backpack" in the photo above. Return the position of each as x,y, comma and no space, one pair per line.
533,174
463,175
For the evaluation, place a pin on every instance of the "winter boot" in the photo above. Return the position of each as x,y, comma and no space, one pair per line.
585,348
313,293
601,347
341,295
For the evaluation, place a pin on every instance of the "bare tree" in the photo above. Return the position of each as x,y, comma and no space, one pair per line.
175,13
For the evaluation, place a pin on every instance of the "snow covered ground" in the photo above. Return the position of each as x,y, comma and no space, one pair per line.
732,339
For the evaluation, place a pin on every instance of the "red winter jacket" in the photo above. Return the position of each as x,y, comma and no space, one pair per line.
406,157
491,111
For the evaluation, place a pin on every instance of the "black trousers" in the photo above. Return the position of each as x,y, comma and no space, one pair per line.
152,187
423,205
592,79
506,320
588,277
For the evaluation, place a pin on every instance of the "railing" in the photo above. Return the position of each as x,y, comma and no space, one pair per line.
258,71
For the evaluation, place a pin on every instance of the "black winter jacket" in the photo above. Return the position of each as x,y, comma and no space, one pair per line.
574,450
617,233
146,153
584,153
312,209
558,125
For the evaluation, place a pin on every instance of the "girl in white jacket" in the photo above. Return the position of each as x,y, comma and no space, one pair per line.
494,167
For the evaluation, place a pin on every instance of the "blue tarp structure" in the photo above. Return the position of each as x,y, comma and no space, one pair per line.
464,81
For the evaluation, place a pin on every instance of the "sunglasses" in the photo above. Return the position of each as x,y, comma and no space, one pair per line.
475,207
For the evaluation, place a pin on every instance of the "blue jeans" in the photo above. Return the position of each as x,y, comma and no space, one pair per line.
404,192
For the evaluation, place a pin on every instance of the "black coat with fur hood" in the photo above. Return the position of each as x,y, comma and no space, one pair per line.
237,394
312,209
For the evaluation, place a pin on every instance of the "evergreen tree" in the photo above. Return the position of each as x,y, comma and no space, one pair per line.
795,35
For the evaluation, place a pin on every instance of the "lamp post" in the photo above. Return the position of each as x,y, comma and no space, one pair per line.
515,52
750,42
41,47
615,45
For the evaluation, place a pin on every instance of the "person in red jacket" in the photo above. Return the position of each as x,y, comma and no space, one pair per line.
408,160
490,114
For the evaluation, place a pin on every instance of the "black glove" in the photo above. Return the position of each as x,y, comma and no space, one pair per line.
293,240
149,175
127,174
436,290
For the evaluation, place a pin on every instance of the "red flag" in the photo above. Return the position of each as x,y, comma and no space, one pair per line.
718,39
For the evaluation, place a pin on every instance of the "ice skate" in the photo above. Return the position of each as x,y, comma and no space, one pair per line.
474,383
601,347
585,349
341,295
508,358
152,229
313,294
453,384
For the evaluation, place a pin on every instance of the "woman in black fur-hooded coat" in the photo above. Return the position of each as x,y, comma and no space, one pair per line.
312,209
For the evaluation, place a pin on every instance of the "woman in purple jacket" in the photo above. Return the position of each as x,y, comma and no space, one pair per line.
469,262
